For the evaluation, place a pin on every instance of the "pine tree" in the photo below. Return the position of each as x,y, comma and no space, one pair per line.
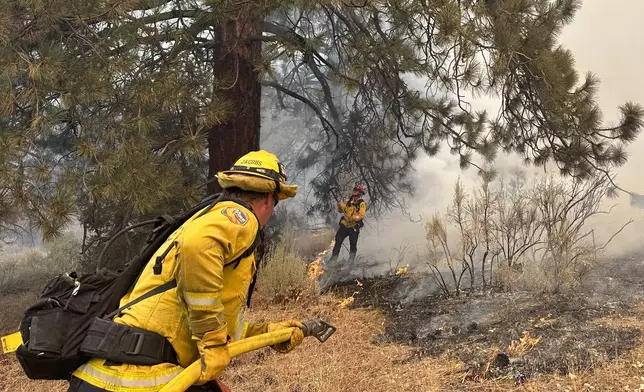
112,109
361,56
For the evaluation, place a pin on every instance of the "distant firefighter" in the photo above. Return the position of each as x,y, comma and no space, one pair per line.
354,210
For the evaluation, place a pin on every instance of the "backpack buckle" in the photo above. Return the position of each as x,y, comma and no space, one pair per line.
137,343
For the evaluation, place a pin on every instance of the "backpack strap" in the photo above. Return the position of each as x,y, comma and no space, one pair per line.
167,222
247,252
251,289
157,222
157,290
258,236
357,203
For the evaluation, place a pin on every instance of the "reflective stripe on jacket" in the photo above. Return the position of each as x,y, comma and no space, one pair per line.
209,292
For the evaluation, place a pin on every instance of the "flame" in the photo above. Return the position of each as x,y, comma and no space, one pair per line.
402,270
349,300
524,344
315,268
515,349
315,271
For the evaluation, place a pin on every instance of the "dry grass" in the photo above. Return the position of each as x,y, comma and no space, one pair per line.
12,379
13,307
308,245
28,271
626,374
623,374
349,361
22,271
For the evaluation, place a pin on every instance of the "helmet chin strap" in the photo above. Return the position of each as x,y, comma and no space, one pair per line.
276,193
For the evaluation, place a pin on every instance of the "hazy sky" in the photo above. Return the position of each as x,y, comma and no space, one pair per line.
605,40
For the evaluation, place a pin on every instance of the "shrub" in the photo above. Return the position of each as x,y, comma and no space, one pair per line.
30,269
309,245
535,235
283,277
510,278
21,272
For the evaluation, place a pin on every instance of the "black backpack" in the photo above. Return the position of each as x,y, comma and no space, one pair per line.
55,326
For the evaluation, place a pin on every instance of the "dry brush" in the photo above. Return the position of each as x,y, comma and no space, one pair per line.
514,232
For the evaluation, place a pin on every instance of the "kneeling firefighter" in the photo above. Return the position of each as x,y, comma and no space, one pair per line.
354,210
211,259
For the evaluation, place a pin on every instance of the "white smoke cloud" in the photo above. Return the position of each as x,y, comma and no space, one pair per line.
614,54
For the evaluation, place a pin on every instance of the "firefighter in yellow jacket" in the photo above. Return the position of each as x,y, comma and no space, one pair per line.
202,314
354,210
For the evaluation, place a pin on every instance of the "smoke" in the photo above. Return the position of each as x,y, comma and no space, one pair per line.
611,52
615,56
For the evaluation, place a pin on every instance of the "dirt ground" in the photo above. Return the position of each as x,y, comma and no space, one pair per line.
575,335
367,353
516,339
348,361
396,337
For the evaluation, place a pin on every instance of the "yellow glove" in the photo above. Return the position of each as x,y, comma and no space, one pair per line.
296,338
214,356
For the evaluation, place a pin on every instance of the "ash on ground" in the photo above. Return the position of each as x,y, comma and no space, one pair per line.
574,332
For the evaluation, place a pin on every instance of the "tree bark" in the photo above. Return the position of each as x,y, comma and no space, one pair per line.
235,60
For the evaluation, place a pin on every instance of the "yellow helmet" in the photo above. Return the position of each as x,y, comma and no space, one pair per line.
258,171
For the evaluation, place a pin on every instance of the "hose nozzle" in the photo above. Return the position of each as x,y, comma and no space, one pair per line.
320,329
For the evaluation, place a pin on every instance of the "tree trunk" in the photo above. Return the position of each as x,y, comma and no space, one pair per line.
235,60
483,269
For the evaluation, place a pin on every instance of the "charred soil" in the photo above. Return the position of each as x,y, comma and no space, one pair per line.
512,336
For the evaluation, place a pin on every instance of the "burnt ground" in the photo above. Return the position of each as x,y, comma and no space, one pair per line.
577,332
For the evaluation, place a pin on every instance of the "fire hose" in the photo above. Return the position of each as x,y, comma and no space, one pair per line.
319,329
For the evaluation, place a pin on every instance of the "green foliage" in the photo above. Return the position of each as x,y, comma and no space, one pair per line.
501,49
105,107
93,120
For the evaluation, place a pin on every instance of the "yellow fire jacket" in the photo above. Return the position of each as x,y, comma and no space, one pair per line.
209,294
354,212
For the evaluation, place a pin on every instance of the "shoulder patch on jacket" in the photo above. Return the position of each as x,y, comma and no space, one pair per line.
235,215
